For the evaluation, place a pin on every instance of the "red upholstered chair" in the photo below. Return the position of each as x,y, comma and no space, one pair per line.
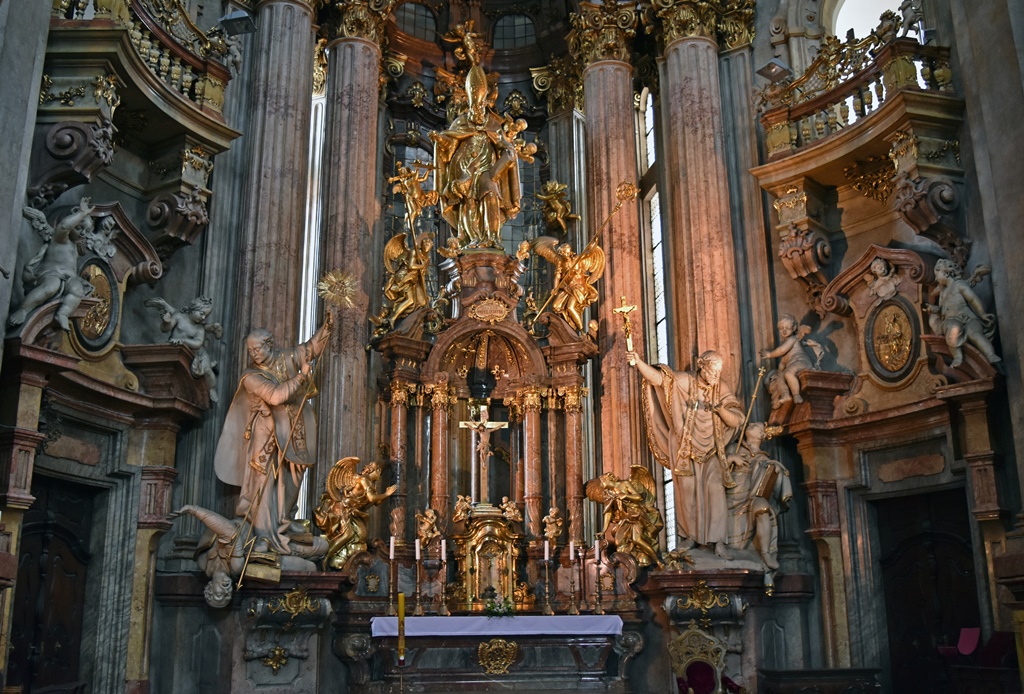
697,661
966,645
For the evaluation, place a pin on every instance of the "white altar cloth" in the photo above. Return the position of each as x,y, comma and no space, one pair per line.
527,625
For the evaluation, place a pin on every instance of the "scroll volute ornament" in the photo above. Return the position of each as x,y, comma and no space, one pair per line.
682,19
603,32
364,19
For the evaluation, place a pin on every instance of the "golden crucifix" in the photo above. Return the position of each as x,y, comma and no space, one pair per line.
482,449
627,328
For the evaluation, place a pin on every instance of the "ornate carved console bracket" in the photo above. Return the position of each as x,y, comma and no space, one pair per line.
278,628
804,247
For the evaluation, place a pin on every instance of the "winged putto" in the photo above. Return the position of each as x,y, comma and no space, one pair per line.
632,520
575,276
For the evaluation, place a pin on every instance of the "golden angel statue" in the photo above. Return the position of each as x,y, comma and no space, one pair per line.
342,512
426,526
575,276
406,286
632,520
557,208
410,184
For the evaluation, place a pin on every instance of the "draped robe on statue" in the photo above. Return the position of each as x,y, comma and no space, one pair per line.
688,437
257,428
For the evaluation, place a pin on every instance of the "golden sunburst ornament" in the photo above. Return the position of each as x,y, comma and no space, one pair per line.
627,191
337,288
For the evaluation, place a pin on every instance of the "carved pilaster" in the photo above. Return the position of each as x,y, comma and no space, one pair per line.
441,400
804,246
603,32
572,403
531,400
17,458
399,422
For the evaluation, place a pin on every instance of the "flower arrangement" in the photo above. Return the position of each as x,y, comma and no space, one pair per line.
499,608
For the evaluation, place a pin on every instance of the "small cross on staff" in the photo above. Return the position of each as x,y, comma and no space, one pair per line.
627,327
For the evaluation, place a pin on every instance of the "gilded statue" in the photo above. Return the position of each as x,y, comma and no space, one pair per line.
342,512
794,359
52,273
510,511
553,523
575,276
690,417
410,184
958,314
406,285
269,439
426,526
477,157
190,327
557,208
763,490
463,505
632,520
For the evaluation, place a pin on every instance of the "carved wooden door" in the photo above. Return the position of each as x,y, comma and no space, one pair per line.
49,597
929,583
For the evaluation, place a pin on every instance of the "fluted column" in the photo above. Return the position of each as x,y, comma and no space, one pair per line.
396,444
531,455
703,254
441,406
278,164
351,213
572,402
600,39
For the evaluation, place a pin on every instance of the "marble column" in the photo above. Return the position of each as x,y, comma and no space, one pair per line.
572,403
441,407
23,29
399,461
531,458
611,160
699,224
278,138
350,216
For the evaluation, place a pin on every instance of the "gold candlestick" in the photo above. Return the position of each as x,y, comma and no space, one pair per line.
391,588
598,608
573,609
547,587
418,610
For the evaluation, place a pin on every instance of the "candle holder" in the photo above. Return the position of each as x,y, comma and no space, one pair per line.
432,566
580,566
392,588
547,586
418,609
573,609
598,607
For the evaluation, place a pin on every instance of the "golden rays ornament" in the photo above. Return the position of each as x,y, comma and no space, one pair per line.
337,288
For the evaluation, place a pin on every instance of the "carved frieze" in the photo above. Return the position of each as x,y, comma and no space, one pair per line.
603,32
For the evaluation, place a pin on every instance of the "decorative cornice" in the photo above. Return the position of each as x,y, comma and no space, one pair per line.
602,32
365,19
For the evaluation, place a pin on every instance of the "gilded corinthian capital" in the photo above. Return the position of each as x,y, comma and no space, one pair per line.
602,32
730,23
364,19
560,81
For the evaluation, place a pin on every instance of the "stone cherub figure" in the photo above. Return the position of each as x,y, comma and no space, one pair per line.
557,208
883,281
342,512
632,520
406,286
784,384
763,490
958,314
53,272
190,327
912,15
553,523
575,276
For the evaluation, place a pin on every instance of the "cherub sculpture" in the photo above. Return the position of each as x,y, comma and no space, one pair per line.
463,504
510,511
784,384
883,281
958,314
632,520
406,286
410,185
913,15
190,327
575,276
557,208
426,526
763,490
553,523
53,272
342,513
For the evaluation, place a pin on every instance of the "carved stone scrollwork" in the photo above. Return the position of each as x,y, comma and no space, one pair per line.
356,650
730,24
806,253
75,152
627,645
924,204
603,32
560,80
365,19
179,218
278,628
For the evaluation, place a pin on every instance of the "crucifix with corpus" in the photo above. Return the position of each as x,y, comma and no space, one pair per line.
481,429
627,327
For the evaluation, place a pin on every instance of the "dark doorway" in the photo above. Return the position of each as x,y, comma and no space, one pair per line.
929,583
49,597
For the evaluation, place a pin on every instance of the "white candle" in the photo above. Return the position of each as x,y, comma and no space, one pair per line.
547,551
391,550
572,551
417,549
444,549
597,552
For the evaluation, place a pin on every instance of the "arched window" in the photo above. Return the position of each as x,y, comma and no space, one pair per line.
514,31
861,16
416,20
